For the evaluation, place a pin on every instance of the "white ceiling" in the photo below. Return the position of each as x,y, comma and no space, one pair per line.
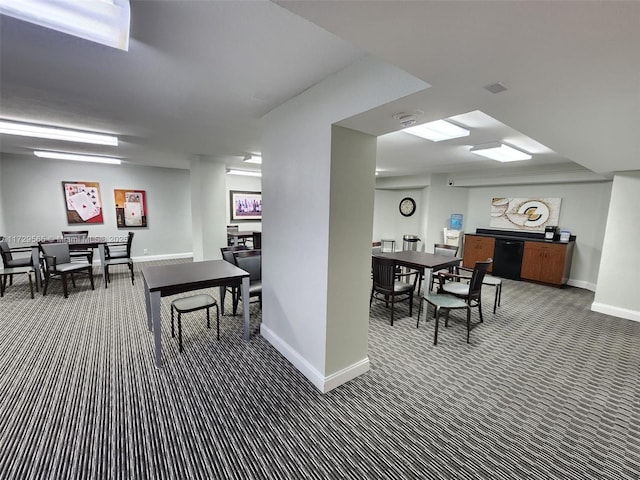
199,75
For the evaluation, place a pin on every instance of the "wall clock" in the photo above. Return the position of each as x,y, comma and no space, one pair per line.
407,206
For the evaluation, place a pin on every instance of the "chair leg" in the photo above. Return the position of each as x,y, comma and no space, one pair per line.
435,331
46,284
208,323
106,274
91,278
64,285
131,268
217,322
73,280
420,311
30,284
10,280
480,309
393,303
468,323
173,334
495,299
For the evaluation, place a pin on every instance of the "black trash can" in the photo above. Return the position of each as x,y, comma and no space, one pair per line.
410,242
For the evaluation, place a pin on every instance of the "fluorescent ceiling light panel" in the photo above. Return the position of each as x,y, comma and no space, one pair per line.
77,157
437,131
41,131
101,21
253,159
500,152
246,173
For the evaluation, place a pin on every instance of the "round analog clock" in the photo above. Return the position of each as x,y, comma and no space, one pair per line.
407,206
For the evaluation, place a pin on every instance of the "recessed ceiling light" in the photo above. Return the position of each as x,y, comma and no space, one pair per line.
246,173
106,21
76,157
437,131
54,133
500,152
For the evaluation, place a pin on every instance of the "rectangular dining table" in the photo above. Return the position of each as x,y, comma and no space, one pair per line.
164,280
422,260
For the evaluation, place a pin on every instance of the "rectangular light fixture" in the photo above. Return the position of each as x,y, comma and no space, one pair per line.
246,173
253,159
10,127
437,131
500,152
77,157
101,21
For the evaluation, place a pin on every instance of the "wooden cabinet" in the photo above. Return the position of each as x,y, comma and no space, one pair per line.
477,249
547,262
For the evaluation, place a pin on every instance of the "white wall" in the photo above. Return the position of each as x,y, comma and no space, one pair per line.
2,228
583,211
296,180
442,201
388,223
618,290
33,203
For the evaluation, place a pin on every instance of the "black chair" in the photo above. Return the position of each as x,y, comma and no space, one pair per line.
9,261
74,236
458,295
57,264
250,261
191,304
257,240
118,253
386,284
227,254
444,250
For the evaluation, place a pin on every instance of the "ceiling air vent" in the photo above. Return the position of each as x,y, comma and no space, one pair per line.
496,88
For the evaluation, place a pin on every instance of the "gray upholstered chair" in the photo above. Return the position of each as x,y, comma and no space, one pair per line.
458,295
227,254
118,253
58,264
9,261
250,261
387,287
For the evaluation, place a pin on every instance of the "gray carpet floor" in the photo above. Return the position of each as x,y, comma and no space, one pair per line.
547,389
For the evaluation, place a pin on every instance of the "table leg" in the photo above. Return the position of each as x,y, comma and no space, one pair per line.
245,306
102,254
147,301
35,260
428,272
157,331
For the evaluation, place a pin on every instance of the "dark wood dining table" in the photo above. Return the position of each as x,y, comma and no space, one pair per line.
164,280
422,260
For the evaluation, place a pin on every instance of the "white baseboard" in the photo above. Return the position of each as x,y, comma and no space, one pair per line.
170,256
616,311
321,382
582,284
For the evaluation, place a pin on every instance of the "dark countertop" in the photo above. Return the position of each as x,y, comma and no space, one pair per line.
513,235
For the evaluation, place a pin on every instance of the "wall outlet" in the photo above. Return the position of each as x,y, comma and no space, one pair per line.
145,251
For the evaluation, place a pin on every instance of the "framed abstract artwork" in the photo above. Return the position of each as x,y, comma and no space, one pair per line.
131,208
82,202
245,206
532,214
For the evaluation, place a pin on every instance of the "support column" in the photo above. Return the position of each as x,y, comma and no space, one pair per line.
208,207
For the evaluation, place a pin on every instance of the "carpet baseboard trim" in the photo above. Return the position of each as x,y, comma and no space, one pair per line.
582,284
321,382
616,311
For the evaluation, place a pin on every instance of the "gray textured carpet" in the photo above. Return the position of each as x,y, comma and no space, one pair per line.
547,389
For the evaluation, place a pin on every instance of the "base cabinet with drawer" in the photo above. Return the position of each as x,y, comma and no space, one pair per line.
477,249
547,262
